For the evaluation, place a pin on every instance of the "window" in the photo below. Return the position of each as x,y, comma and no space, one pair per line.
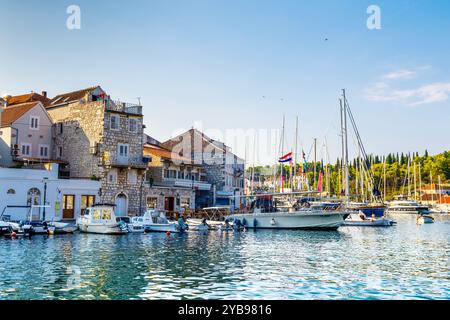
152,202
60,128
132,125
26,149
60,152
11,191
112,176
43,151
86,202
123,150
114,122
33,197
34,123
170,174
132,177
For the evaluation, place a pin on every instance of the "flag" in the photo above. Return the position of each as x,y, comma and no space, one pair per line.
286,158
319,184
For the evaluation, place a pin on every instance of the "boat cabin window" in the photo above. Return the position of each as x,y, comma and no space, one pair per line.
97,214
106,214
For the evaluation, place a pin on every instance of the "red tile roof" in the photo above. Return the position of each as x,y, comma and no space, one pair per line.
163,153
12,113
29,97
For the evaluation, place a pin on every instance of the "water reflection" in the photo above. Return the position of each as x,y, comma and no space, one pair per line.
403,262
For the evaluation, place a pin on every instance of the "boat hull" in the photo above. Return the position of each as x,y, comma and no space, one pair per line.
161,228
292,221
101,229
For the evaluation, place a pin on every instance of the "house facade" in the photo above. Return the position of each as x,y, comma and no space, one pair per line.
223,169
25,134
102,139
63,199
174,184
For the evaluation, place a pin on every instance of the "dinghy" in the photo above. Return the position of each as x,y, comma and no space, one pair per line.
156,221
360,220
425,219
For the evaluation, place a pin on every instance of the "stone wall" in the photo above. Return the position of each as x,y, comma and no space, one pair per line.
87,140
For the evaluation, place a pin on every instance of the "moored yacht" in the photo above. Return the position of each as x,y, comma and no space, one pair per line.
291,214
101,219
406,207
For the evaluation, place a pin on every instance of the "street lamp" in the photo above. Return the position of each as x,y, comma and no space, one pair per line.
45,180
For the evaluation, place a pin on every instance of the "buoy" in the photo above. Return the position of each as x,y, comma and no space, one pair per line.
13,235
167,233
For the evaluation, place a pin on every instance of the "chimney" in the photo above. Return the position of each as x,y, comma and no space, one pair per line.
44,93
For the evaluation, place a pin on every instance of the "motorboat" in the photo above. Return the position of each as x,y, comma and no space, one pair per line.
101,219
57,227
360,220
406,207
156,221
136,225
374,210
425,219
301,214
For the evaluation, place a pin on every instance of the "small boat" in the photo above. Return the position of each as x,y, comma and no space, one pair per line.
203,224
136,225
5,228
101,219
374,210
360,220
57,227
425,219
156,221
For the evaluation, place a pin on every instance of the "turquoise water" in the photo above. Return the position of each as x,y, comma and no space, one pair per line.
403,262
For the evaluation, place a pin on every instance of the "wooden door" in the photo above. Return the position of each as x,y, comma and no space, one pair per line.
69,206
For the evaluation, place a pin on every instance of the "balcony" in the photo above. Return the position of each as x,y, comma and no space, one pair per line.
137,162
124,107
184,183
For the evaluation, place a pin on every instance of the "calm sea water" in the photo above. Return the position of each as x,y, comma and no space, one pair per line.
403,262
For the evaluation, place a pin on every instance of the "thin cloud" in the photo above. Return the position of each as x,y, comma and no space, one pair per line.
426,94
400,74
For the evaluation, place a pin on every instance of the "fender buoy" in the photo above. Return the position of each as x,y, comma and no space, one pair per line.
167,233
13,235
272,222
255,222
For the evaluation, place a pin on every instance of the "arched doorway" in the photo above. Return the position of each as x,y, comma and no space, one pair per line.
121,205
34,199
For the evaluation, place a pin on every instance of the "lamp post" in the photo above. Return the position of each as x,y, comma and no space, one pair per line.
45,197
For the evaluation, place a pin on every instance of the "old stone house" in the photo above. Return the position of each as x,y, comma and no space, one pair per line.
174,184
102,139
223,169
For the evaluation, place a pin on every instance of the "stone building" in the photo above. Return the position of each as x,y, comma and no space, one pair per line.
102,140
223,169
173,183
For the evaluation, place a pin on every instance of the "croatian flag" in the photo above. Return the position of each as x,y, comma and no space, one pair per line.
286,158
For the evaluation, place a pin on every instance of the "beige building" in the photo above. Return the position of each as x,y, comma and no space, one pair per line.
173,183
102,140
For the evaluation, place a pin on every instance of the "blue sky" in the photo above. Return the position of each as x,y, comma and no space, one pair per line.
230,65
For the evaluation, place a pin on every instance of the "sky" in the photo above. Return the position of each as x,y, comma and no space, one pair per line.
234,68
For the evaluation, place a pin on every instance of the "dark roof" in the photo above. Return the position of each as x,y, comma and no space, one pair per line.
195,135
71,96
12,113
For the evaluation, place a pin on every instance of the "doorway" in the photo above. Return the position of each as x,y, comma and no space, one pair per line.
121,205
68,206
169,204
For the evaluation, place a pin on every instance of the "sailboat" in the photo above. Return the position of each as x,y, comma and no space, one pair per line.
290,210
360,211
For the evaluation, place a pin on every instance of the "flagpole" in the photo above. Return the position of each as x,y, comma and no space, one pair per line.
295,152
282,153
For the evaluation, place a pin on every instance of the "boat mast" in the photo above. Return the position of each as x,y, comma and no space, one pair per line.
294,174
342,146
282,154
347,188
415,186
420,182
315,163
384,178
